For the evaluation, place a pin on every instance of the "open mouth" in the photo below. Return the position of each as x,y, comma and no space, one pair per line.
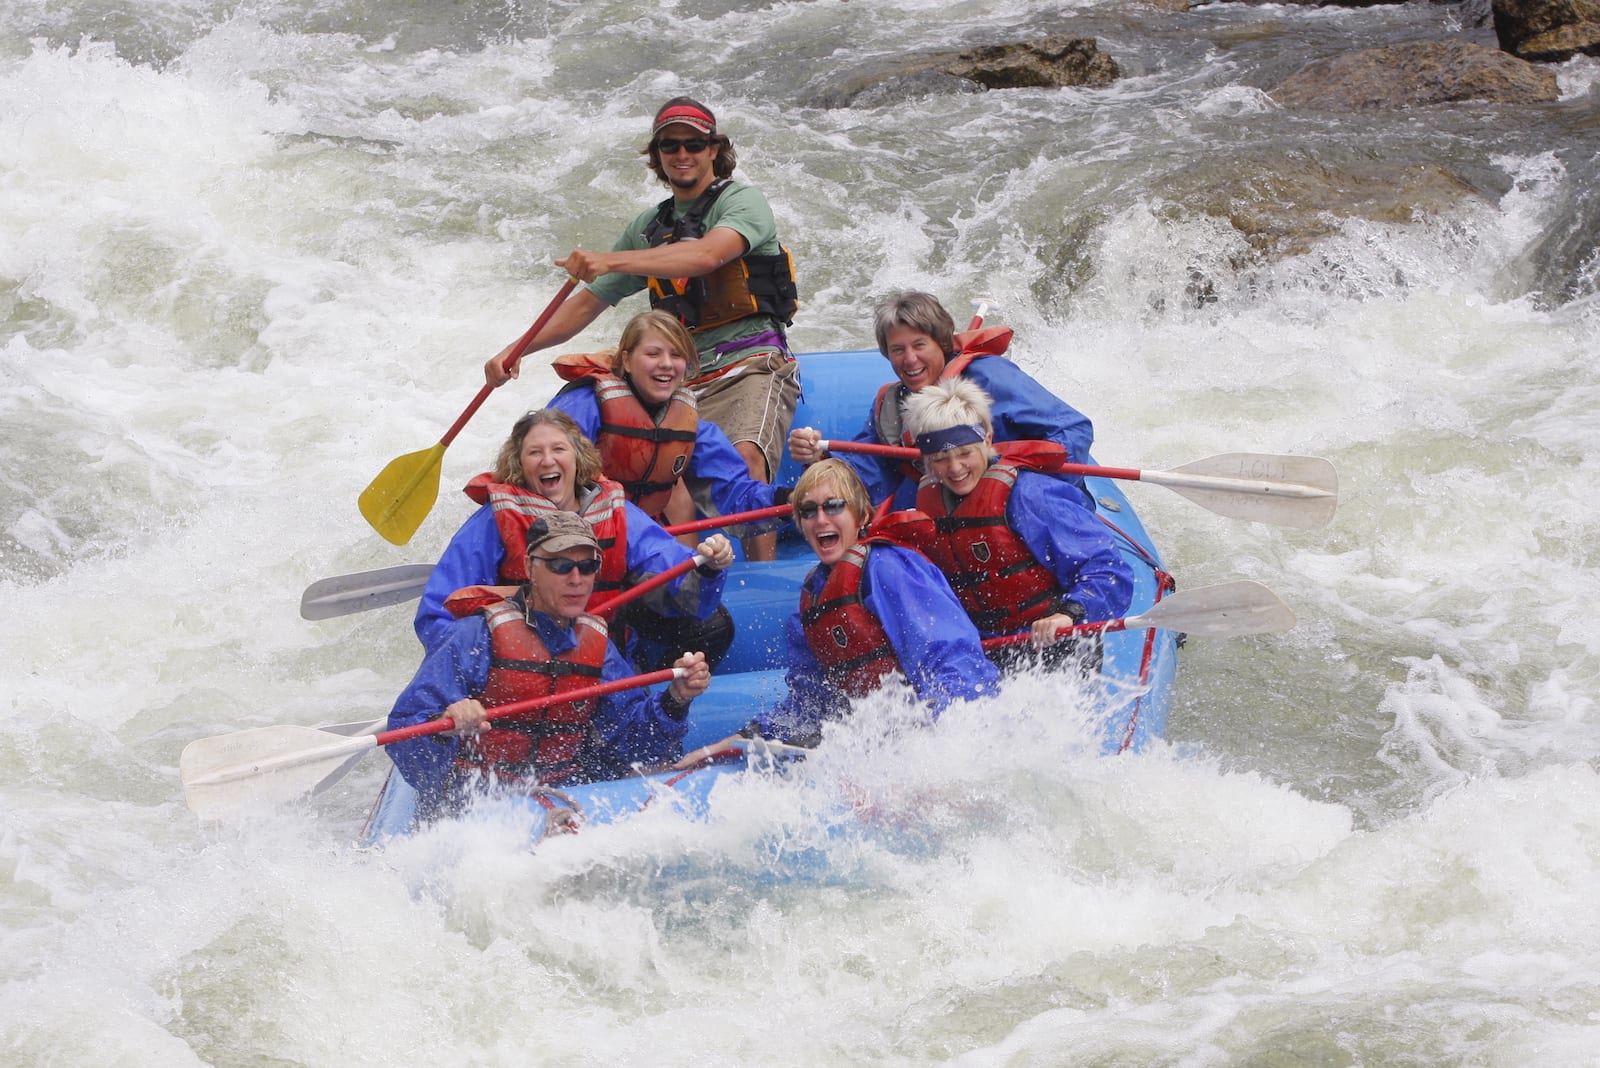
826,538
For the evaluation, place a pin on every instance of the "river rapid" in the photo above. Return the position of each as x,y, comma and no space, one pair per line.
249,253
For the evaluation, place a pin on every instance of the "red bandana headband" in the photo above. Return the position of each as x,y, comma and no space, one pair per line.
688,115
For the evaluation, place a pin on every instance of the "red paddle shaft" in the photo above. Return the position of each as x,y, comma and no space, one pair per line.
511,361
445,723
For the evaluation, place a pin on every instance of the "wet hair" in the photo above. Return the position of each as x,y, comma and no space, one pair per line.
845,481
921,312
508,465
721,167
665,324
946,404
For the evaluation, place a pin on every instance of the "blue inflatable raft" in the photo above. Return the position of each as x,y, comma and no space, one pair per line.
1139,665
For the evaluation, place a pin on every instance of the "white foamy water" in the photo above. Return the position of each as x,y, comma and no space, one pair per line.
248,256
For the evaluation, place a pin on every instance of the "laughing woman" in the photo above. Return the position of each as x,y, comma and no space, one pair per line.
1018,546
869,610
547,465
633,404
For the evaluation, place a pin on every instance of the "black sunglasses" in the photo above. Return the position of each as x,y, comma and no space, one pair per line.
563,565
832,506
669,145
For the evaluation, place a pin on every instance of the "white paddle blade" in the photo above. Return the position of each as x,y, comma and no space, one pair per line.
355,727
263,766
1226,610
343,595
1287,491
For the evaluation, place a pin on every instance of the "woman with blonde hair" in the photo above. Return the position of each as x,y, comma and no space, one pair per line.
1019,547
634,404
547,465
871,609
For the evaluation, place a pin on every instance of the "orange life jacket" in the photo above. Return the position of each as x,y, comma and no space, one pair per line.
515,509
748,285
646,453
970,345
998,580
542,744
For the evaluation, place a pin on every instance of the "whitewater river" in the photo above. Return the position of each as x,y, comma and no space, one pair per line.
251,252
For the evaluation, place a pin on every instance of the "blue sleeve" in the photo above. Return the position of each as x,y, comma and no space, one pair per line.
632,724
879,474
717,460
454,669
1023,410
799,716
577,399
1049,516
651,550
939,649
472,558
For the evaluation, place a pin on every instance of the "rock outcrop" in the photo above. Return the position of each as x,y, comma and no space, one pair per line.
1413,75
1549,31
1047,62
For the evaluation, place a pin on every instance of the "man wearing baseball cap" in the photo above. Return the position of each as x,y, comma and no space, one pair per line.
710,255
536,642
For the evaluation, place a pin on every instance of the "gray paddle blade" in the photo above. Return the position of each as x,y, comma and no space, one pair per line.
1226,610
1287,491
343,595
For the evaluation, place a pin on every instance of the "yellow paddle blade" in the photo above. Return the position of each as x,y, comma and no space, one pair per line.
402,495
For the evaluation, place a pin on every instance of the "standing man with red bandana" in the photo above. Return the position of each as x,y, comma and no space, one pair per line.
710,255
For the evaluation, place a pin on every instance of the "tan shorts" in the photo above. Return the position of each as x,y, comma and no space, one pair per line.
754,401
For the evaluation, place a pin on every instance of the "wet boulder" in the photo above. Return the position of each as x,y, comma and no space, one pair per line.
1283,203
1415,74
1047,62
1548,31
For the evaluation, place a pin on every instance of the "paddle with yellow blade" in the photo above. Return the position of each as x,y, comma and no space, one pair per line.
400,498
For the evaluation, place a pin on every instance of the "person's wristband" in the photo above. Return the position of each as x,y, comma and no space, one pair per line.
1072,608
781,494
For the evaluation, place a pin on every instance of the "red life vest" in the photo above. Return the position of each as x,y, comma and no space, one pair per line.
970,344
846,638
542,744
516,508
646,454
999,581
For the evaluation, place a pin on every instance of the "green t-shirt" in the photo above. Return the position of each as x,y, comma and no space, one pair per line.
744,210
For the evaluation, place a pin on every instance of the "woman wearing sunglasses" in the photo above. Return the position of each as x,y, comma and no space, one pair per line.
1019,547
632,402
533,642
870,609
546,465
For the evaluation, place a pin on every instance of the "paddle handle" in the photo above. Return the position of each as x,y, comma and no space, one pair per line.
511,361
682,567
871,448
718,521
533,704
1066,632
